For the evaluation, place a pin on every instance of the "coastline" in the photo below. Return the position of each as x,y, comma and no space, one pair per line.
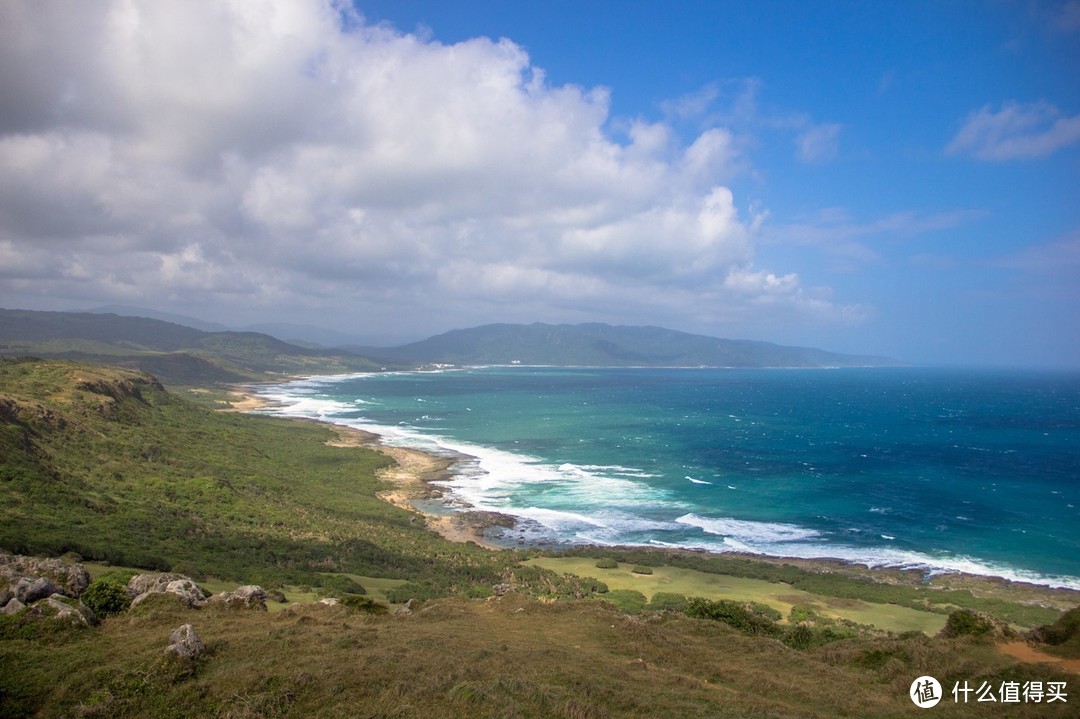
414,476
411,475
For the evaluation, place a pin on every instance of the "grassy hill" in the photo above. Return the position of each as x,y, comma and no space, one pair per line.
107,464
176,353
600,345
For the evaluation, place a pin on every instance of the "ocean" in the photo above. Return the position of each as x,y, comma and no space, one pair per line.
942,470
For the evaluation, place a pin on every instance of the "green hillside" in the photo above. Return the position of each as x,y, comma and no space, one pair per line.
176,353
600,345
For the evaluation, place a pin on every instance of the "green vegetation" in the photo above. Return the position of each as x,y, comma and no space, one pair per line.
780,596
965,622
606,564
108,465
838,583
1063,636
177,354
105,598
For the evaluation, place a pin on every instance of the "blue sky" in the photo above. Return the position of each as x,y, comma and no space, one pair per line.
897,178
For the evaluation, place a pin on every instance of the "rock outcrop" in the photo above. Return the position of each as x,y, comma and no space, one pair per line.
63,608
249,596
29,579
143,586
44,588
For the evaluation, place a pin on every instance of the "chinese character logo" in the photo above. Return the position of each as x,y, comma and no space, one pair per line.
925,692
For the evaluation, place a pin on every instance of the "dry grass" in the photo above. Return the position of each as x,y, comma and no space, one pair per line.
510,657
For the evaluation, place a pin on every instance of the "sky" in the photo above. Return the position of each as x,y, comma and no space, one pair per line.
896,178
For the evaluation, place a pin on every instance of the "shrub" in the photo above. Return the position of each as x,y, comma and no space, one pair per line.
642,569
807,637
803,613
411,590
341,584
735,614
667,601
105,598
363,604
606,564
1063,635
965,622
630,601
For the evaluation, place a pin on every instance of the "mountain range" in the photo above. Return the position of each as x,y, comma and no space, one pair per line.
182,354
602,345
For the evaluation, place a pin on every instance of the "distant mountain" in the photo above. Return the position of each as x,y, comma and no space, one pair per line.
178,354
129,311
602,345
298,334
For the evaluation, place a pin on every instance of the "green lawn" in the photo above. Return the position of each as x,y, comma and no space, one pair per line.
782,597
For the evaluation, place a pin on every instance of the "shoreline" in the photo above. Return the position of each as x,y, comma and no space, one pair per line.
414,472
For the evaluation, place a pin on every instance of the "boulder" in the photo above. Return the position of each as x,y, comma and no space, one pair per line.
406,609
59,607
330,601
143,586
155,582
249,596
29,589
29,579
184,642
12,606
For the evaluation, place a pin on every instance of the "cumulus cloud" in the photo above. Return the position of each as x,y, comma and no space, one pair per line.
1015,132
289,155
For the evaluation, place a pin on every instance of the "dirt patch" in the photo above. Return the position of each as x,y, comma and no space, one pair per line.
1030,655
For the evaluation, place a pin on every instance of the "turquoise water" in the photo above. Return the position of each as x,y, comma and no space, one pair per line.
938,469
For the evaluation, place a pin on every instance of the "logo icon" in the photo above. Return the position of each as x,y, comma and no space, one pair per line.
925,692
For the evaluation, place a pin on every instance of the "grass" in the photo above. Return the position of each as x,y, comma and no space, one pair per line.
782,597
511,657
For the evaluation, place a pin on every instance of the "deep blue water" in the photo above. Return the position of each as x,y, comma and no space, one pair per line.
976,471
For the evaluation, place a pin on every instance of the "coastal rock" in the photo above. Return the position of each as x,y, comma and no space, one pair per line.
184,642
503,589
250,596
143,586
32,578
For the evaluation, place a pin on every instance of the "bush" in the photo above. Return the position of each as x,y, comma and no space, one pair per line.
965,622
411,590
341,584
363,604
606,564
642,569
735,614
667,601
105,598
1064,634
630,601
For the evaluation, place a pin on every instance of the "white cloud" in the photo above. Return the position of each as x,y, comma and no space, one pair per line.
288,156
1015,132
